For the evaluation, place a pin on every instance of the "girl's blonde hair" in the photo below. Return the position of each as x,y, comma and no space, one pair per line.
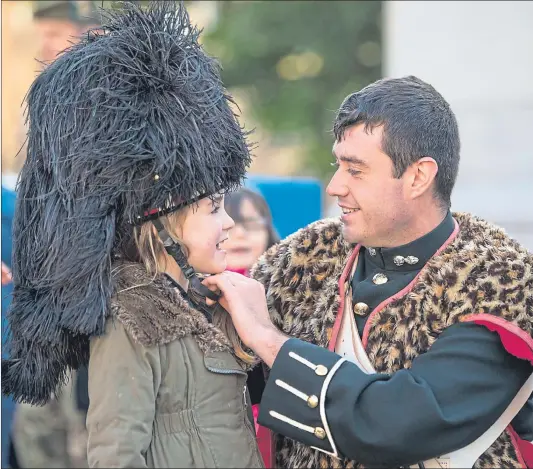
153,255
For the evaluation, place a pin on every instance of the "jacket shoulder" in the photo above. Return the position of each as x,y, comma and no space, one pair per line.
315,243
307,263
484,271
155,313
150,310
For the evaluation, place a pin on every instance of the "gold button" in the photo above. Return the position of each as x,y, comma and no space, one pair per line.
321,370
320,433
312,401
360,308
380,279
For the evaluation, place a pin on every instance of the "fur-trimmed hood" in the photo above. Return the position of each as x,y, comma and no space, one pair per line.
154,312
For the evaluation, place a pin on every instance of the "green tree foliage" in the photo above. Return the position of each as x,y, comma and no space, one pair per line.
298,60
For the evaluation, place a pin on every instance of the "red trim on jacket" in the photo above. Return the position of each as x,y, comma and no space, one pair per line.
384,303
516,341
342,293
523,448
405,290
519,344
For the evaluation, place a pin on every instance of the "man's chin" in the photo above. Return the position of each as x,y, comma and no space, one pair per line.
350,235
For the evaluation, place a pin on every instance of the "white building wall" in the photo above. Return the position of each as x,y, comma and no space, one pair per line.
479,55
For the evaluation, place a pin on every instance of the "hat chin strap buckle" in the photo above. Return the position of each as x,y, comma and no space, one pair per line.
194,282
174,250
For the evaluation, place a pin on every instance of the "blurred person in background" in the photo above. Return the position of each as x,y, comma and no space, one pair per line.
120,211
59,23
54,435
400,334
254,233
254,230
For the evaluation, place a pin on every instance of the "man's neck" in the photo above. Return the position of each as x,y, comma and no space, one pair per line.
415,228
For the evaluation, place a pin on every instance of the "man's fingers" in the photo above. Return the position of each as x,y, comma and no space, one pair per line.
237,278
218,282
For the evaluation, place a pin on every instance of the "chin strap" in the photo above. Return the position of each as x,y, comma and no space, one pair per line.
196,291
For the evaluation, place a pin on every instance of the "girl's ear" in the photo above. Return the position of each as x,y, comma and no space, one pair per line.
174,223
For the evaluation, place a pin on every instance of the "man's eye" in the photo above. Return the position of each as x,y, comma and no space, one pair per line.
354,172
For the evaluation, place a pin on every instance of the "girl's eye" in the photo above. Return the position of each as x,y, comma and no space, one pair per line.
216,209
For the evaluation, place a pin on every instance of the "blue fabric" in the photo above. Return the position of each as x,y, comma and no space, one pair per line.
8,211
8,405
295,202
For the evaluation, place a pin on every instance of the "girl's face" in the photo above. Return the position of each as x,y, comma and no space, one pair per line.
203,231
249,238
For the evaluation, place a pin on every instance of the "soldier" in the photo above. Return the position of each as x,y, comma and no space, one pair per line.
406,329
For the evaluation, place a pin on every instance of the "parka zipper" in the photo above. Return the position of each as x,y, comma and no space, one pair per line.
246,417
244,400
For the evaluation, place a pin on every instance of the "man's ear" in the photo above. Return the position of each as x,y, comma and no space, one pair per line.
421,176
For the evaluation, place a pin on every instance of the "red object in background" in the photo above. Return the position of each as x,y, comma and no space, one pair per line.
244,272
264,440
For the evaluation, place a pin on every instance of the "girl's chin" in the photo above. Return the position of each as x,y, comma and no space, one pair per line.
216,265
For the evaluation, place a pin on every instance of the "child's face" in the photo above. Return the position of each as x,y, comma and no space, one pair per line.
204,229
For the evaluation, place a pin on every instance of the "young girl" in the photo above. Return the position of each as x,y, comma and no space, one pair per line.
132,145
167,383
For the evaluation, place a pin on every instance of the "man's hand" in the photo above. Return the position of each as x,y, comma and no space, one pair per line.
6,275
244,299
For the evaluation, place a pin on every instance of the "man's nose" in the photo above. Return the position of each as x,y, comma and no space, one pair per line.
336,187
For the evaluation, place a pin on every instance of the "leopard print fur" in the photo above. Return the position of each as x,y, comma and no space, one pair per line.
481,271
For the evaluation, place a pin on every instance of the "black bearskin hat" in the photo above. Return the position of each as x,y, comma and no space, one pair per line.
131,119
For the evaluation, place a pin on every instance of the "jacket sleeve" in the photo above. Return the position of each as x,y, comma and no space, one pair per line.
124,378
391,420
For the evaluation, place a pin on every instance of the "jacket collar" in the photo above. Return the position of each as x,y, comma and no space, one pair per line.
414,255
155,313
